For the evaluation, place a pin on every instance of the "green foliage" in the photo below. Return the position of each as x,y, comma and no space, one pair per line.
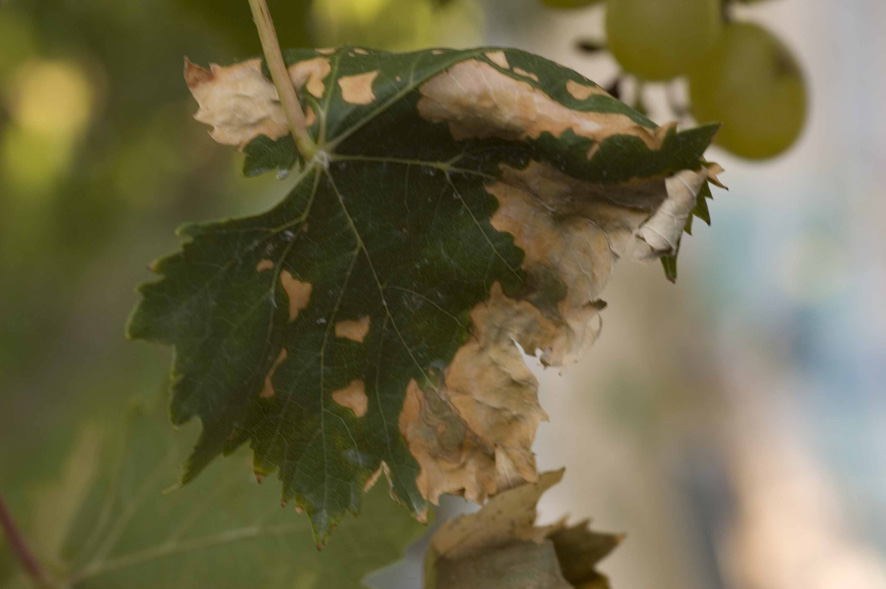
569,3
400,25
231,19
111,521
389,231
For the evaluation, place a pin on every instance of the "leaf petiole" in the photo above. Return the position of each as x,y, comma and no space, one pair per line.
280,76
20,547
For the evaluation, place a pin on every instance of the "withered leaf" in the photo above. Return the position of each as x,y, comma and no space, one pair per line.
500,546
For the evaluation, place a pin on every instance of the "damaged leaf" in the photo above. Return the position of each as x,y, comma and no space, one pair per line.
500,546
461,202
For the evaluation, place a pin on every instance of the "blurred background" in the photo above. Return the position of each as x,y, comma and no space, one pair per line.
731,424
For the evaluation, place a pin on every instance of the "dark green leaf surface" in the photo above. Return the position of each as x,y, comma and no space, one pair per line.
447,180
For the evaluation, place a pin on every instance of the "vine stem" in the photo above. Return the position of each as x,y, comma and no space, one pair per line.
20,547
280,76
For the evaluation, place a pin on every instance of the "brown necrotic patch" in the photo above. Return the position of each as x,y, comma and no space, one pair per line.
237,101
574,231
355,330
267,391
525,74
353,397
311,74
477,100
421,516
472,433
299,293
583,91
370,482
358,89
499,58
452,458
240,103
264,265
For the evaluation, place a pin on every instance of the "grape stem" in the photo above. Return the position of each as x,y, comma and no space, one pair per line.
280,76
590,46
638,101
680,110
614,88
20,547
725,11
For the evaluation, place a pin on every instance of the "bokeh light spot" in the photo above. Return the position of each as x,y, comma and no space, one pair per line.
51,97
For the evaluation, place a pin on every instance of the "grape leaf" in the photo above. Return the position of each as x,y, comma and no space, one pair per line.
500,546
461,201
106,522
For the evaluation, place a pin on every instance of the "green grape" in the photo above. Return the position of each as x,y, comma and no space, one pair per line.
660,39
753,85
569,3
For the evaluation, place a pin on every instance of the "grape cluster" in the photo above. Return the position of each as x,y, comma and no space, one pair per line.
739,73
